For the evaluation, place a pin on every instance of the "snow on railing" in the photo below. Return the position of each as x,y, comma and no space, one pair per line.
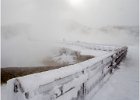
93,46
73,82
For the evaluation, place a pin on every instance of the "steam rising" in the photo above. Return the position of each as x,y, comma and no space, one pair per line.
30,27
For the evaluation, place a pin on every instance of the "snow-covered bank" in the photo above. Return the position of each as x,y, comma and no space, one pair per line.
124,83
4,92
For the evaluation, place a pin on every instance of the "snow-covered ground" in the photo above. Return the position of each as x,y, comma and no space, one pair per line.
124,83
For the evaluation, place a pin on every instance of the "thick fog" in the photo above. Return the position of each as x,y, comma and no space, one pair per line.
29,27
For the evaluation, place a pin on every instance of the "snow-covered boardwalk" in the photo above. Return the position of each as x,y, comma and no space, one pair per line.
72,82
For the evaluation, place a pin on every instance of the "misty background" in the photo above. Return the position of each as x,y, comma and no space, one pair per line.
30,27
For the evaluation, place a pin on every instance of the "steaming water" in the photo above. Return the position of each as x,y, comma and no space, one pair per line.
21,48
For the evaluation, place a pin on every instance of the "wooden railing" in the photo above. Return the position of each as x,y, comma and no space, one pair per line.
73,82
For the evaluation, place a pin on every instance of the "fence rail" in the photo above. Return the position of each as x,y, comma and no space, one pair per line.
73,82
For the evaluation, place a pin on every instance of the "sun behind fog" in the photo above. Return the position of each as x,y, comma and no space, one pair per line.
76,3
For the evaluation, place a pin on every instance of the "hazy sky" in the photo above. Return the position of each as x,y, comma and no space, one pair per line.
60,12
